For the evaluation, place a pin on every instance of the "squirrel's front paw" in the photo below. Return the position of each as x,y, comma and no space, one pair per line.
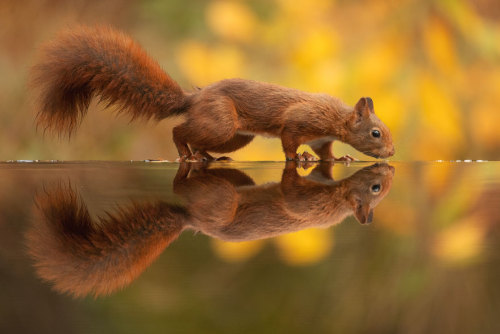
306,156
197,157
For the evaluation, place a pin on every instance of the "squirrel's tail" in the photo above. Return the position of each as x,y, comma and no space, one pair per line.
88,61
80,255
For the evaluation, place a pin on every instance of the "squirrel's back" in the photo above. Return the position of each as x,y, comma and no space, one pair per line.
261,106
88,61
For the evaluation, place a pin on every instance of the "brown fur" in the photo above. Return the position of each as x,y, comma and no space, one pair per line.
85,62
238,211
222,117
81,256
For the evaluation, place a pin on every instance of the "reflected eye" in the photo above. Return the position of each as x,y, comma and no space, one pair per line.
376,188
376,133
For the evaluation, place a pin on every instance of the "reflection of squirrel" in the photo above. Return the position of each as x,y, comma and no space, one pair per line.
82,256
227,207
221,117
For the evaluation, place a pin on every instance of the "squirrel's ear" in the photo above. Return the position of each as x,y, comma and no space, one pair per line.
369,102
362,212
364,107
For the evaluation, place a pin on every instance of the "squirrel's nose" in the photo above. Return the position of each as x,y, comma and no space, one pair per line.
391,153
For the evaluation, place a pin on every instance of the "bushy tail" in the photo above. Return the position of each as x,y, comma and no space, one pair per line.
89,61
81,256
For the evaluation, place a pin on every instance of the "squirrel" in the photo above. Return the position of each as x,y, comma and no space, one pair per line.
241,211
82,255
222,117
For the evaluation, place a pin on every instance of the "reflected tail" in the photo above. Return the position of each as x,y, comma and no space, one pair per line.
81,255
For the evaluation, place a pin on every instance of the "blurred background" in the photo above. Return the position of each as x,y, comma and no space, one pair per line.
429,263
431,67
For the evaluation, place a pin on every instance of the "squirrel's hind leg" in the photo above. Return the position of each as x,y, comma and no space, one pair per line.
181,143
211,126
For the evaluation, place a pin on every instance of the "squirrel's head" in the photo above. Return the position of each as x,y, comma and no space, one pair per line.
367,133
367,188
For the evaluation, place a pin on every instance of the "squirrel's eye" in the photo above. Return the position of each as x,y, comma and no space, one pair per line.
376,133
375,188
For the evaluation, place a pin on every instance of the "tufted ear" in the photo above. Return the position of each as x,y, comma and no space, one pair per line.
365,103
369,103
362,110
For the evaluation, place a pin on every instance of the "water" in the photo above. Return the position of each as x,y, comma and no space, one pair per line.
99,247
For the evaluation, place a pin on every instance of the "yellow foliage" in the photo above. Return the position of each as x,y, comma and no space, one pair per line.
465,18
315,45
326,76
484,122
439,46
379,61
232,20
227,61
392,109
304,247
430,147
203,65
441,133
304,10
236,251
461,242
193,61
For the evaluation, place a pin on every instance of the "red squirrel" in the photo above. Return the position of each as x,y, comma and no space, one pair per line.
222,117
82,255
224,205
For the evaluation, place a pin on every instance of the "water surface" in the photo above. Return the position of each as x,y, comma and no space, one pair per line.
249,247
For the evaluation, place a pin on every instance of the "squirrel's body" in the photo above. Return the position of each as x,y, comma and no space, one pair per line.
230,112
221,117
